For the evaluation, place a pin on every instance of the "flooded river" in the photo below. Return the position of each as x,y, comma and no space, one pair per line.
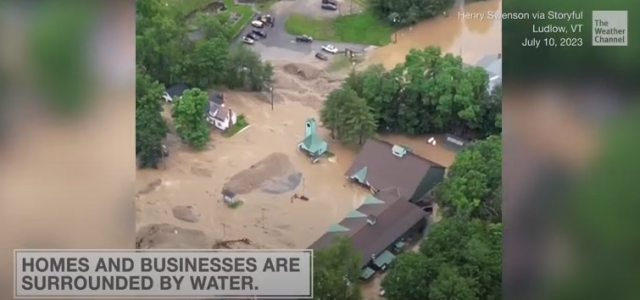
469,38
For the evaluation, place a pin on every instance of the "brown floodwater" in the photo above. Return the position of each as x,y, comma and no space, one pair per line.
470,38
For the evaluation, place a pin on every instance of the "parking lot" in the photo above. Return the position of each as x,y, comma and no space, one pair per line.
278,40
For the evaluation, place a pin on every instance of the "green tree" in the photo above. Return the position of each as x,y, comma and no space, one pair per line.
474,182
214,27
162,48
207,63
468,251
359,122
408,278
348,116
430,93
336,271
450,285
150,126
491,123
188,117
245,70
406,12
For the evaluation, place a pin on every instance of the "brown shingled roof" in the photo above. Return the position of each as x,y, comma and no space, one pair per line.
393,218
385,170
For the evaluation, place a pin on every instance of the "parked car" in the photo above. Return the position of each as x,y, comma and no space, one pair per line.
252,36
257,24
259,33
321,56
267,19
248,40
330,48
334,2
327,6
304,39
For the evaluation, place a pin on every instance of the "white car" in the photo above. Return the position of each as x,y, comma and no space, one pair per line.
257,24
248,40
330,48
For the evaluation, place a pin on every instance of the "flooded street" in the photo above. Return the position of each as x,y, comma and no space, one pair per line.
469,38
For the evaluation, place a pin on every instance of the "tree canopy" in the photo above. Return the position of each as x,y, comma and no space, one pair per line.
348,116
428,93
474,183
150,126
336,271
187,114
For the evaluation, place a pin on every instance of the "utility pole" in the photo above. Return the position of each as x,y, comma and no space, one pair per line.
303,185
263,209
271,90
224,230
350,7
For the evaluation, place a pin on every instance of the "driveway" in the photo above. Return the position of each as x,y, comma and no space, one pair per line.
279,40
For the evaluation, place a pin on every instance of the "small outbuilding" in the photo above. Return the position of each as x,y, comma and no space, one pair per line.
228,197
312,144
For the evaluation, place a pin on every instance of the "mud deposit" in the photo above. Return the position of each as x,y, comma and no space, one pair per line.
264,174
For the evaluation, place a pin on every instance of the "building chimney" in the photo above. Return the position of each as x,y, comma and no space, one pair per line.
371,220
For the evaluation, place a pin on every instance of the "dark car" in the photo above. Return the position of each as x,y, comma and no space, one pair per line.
252,36
259,33
304,39
327,6
321,56
334,2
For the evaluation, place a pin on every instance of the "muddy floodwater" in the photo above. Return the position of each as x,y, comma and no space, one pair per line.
264,168
468,37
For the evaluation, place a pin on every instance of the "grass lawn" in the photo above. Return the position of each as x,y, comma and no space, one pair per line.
184,7
363,28
240,124
245,12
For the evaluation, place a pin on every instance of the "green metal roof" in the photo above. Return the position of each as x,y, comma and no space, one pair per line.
370,199
366,273
384,258
313,143
355,214
337,228
360,175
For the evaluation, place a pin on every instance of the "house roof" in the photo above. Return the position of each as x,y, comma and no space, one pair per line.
216,97
384,170
313,142
394,216
213,107
177,90
228,193
222,113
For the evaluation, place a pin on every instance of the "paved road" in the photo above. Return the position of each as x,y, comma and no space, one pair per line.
281,45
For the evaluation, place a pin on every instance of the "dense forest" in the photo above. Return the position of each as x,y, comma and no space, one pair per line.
428,93
167,54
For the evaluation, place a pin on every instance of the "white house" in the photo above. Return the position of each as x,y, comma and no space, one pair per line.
222,118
